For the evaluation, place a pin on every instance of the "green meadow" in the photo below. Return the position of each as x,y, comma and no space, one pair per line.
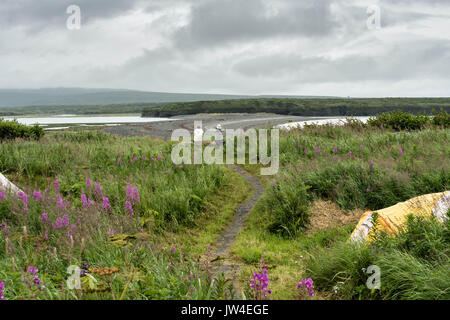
136,226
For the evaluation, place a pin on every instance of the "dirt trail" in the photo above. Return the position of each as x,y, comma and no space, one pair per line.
222,263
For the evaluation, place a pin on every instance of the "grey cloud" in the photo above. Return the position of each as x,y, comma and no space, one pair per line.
416,60
43,14
214,23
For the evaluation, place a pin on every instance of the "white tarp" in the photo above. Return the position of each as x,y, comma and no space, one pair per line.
6,185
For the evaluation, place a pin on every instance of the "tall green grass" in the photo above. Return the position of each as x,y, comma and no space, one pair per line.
414,264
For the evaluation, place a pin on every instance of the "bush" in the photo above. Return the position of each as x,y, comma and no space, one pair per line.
441,119
288,206
12,129
400,120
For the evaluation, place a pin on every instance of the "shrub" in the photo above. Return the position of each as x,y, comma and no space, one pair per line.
12,129
441,119
400,120
288,206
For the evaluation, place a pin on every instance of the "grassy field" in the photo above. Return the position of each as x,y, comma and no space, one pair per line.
140,227
137,212
345,171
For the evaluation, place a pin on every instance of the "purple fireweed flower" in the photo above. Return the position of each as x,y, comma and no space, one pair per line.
66,220
129,207
260,282
60,202
272,182
349,153
57,187
119,161
134,159
23,196
2,195
160,156
85,201
106,205
305,151
44,217
308,285
168,171
401,150
368,188
340,149
144,158
58,223
119,152
173,250
98,191
335,149
2,288
371,165
133,195
89,183
299,146
32,271
37,195
153,159
61,222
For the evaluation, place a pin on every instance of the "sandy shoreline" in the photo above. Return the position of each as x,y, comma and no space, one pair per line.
227,121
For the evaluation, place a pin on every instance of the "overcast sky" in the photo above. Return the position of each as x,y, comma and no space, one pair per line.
301,47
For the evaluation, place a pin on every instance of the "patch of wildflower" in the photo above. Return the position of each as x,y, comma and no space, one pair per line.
37,196
260,281
60,203
57,186
133,195
106,204
98,191
23,196
89,183
32,279
306,287
2,195
62,222
2,289
86,202
129,207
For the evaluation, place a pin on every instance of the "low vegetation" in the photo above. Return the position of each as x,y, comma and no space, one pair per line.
303,107
10,130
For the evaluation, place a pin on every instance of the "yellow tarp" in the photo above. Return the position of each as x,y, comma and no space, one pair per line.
391,219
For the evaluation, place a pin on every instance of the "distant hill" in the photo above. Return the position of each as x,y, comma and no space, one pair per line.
79,96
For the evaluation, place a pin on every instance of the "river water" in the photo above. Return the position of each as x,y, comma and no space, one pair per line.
72,119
